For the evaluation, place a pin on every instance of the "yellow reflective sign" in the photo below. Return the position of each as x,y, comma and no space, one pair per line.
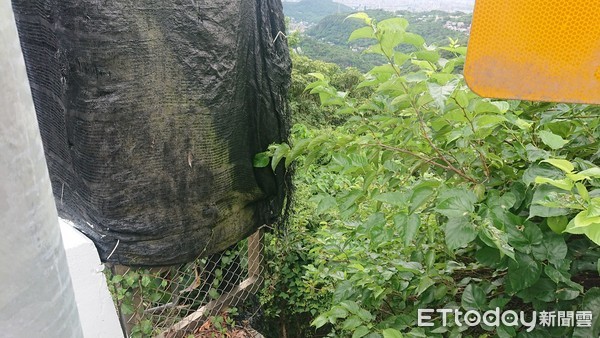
541,50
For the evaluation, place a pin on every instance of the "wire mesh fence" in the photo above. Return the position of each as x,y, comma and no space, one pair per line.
196,299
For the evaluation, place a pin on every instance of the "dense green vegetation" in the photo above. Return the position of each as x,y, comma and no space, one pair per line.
340,55
328,39
412,192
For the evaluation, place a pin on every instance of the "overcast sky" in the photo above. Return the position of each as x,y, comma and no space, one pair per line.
446,5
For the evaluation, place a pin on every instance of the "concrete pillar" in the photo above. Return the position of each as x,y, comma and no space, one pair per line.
36,295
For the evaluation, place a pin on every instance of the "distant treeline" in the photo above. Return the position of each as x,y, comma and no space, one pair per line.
328,39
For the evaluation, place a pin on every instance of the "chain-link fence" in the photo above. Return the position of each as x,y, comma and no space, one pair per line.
196,299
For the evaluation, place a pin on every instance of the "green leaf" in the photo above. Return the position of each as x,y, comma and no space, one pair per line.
386,69
575,177
408,225
351,323
400,58
583,219
424,284
561,164
326,203
318,76
461,98
391,34
567,294
415,77
519,123
535,154
523,240
424,65
394,24
582,190
351,306
552,248
555,275
412,267
360,331
564,184
558,224
473,298
320,321
441,93
592,172
542,194
350,199
337,312
484,106
392,333
552,140
591,302
375,49
502,106
488,121
458,50
261,160
414,39
506,331
396,198
459,232
498,239
592,232
375,222
488,256
127,308
523,272
213,293
362,33
365,315
536,170
428,55
499,302
280,152
297,149
361,16
456,203
543,290
421,193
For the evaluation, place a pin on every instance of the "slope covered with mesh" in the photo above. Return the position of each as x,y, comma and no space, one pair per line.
151,112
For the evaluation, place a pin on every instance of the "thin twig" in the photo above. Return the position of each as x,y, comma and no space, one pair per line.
439,152
449,166
423,158
486,168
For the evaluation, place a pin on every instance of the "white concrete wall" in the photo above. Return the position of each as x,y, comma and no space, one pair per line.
97,312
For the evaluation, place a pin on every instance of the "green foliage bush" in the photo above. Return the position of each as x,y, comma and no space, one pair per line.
307,107
429,196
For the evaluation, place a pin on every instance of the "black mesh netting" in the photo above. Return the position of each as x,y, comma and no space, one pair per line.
151,112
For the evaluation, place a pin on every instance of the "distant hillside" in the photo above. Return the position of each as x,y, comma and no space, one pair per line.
328,39
312,11
434,26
